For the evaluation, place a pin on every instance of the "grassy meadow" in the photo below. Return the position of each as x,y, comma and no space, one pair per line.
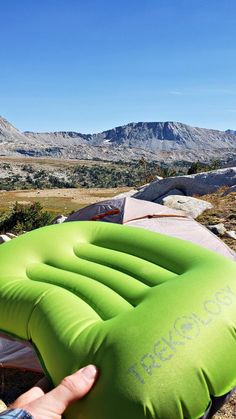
57,201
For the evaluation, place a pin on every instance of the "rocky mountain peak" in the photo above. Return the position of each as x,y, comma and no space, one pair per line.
8,132
5,125
159,141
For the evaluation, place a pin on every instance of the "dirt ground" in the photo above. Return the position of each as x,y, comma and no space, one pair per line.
228,411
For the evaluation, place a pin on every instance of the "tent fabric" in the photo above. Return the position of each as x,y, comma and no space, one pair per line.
154,217
17,354
122,210
104,209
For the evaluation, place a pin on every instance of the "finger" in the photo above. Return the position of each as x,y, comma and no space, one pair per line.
41,387
72,387
75,386
28,397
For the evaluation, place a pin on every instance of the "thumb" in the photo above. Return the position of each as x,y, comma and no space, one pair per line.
72,388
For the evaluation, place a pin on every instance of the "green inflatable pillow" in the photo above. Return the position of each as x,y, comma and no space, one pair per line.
157,315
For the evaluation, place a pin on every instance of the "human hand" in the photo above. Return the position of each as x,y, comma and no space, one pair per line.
52,405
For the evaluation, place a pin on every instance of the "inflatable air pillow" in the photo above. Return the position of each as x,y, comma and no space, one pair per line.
157,315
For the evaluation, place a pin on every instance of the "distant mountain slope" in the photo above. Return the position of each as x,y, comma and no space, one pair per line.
230,131
164,136
160,141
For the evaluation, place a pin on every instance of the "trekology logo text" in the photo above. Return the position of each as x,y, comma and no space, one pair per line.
184,329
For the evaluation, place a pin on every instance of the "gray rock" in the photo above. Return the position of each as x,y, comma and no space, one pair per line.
231,234
4,238
229,190
11,235
191,206
217,229
177,192
189,185
59,219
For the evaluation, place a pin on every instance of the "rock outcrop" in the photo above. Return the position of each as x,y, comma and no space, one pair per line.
189,185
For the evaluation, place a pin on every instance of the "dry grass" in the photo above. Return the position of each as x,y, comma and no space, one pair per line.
58,201
57,163
223,211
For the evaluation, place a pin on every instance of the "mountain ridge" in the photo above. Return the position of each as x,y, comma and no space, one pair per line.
155,141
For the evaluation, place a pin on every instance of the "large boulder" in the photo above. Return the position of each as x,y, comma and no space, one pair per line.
191,206
188,185
127,194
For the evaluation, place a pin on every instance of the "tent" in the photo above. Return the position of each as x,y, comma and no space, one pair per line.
154,217
132,212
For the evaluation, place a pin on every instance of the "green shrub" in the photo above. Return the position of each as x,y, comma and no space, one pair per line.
198,167
25,218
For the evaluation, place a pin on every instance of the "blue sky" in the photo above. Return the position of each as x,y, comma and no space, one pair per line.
94,64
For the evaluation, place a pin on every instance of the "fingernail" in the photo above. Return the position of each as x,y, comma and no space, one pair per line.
89,372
